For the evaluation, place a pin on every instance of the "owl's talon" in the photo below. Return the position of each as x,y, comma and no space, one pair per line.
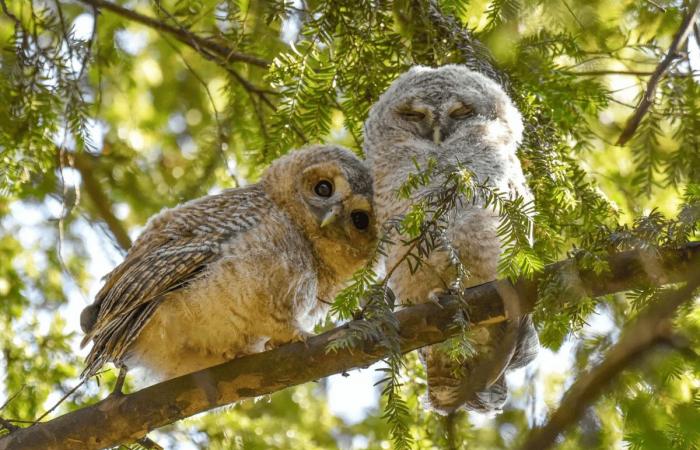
119,384
433,297
297,336
302,336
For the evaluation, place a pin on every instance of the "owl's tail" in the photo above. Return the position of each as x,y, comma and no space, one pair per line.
478,384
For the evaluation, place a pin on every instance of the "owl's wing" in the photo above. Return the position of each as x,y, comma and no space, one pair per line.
176,246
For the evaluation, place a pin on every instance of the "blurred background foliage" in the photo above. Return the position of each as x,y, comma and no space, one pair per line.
105,120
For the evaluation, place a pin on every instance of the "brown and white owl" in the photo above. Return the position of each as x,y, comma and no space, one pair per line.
452,116
236,272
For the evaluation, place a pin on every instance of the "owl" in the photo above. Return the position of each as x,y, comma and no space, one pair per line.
451,116
236,272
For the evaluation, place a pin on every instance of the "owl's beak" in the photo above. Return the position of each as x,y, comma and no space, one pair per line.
331,215
437,138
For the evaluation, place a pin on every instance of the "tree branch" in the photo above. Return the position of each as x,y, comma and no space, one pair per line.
198,43
9,14
209,49
261,93
127,418
648,98
9,426
635,73
475,54
101,202
653,327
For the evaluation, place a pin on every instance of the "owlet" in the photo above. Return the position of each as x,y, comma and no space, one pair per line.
452,116
237,272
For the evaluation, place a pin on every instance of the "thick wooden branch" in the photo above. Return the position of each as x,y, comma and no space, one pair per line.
648,98
199,44
119,419
653,327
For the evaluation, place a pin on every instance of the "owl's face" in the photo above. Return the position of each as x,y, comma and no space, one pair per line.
329,191
341,207
437,105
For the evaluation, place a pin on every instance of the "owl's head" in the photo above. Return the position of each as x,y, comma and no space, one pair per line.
437,105
328,191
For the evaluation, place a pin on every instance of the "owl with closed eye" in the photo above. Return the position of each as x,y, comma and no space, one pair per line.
236,272
452,116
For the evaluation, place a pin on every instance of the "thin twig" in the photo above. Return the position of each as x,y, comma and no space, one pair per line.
9,14
88,52
475,54
64,30
12,397
209,49
8,425
578,22
650,329
149,443
661,8
181,34
62,399
262,94
637,73
648,98
210,97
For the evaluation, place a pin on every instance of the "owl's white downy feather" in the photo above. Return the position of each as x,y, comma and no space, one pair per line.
452,116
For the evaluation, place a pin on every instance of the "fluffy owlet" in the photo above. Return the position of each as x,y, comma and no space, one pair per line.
452,116
237,272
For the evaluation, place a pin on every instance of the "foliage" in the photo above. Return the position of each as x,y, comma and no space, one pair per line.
154,121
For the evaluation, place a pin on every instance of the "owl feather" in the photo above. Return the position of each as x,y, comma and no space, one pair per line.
452,117
235,272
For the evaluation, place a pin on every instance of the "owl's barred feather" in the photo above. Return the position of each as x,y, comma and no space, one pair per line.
235,272
451,116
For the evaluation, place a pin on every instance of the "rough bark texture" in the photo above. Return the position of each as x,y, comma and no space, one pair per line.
120,419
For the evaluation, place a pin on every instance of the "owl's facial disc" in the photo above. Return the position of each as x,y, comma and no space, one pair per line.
461,111
417,117
449,118
331,215
338,210
434,122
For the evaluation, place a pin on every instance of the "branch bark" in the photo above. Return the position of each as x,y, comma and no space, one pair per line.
648,98
100,201
118,419
652,328
198,43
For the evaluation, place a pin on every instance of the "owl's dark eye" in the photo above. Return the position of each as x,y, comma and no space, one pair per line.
462,112
360,219
413,116
323,188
